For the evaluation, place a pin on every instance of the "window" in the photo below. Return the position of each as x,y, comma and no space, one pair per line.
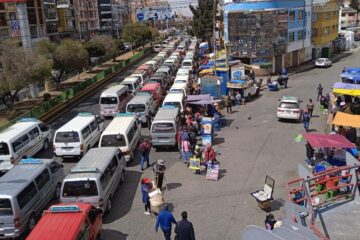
85,232
113,141
291,36
42,179
20,143
314,32
25,139
26,195
54,167
163,128
34,133
314,17
4,148
85,188
327,31
108,100
43,127
86,132
5,207
351,14
93,126
327,16
291,16
300,15
300,35
343,15
130,135
65,137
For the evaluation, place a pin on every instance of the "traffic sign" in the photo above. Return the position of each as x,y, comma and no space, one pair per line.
140,17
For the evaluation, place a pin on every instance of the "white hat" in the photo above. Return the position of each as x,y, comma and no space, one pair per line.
160,162
342,104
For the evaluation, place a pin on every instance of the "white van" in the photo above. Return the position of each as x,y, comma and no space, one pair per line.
25,138
179,87
95,178
182,79
142,75
113,100
143,106
188,63
133,84
76,137
25,191
123,132
157,48
175,99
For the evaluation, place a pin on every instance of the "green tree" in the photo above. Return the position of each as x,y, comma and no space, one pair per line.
136,33
202,22
19,68
355,5
69,56
101,46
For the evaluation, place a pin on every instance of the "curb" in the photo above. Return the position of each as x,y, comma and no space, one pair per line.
53,114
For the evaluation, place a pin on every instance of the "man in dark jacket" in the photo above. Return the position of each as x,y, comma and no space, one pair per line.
184,229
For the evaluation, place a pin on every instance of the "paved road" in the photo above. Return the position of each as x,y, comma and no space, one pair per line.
253,145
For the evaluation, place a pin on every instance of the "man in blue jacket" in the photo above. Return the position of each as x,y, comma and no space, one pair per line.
164,219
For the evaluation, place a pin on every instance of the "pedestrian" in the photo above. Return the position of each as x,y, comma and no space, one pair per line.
252,75
144,148
310,107
269,222
268,80
320,92
228,103
186,150
209,155
159,171
184,135
351,135
238,98
164,220
145,196
306,120
184,229
355,106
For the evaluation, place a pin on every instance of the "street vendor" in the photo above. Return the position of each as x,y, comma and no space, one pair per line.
159,171
210,155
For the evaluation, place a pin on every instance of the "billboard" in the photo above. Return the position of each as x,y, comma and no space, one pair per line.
15,28
63,3
160,12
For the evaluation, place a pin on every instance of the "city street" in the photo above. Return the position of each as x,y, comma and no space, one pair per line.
253,145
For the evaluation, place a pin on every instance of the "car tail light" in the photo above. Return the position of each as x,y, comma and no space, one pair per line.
101,202
280,110
296,111
81,147
17,222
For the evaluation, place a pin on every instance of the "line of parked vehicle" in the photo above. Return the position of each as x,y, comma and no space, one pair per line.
28,185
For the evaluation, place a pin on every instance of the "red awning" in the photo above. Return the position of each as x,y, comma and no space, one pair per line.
328,140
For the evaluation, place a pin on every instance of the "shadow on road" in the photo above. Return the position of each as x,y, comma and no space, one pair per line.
277,204
218,140
124,197
222,173
170,186
109,234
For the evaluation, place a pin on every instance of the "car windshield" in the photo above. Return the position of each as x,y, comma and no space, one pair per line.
129,85
113,140
289,105
65,137
108,100
5,207
136,108
187,64
84,188
163,128
175,104
320,60
158,80
4,149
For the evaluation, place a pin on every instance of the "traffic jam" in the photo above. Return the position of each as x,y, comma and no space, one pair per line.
38,196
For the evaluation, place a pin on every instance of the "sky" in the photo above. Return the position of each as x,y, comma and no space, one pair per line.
182,6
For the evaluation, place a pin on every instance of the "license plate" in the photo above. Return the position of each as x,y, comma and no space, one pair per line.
67,148
288,111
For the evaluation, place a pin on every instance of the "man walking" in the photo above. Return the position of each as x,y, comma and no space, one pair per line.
159,171
306,120
320,92
184,229
164,220
144,148
310,107
145,196
228,103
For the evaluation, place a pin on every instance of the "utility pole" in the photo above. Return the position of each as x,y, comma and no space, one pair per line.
214,31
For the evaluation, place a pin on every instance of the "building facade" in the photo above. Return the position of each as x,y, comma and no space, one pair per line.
325,26
86,16
271,34
8,21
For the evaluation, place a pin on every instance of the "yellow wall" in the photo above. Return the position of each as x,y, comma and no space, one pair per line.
327,17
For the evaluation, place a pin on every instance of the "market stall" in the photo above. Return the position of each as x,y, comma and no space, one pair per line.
326,150
346,120
346,89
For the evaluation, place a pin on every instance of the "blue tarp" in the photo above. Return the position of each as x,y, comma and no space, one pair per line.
238,81
346,86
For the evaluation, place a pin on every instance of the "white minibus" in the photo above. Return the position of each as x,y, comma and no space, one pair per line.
113,100
176,99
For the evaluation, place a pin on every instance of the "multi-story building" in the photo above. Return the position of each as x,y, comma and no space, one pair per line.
325,20
9,26
105,14
121,15
51,17
86,16
269,33
349,17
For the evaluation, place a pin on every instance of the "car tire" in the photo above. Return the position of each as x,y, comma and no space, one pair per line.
31,222
57,192
122,177
46,145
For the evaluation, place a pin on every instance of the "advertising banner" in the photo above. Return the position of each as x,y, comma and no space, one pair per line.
15,28
237,72
154,13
